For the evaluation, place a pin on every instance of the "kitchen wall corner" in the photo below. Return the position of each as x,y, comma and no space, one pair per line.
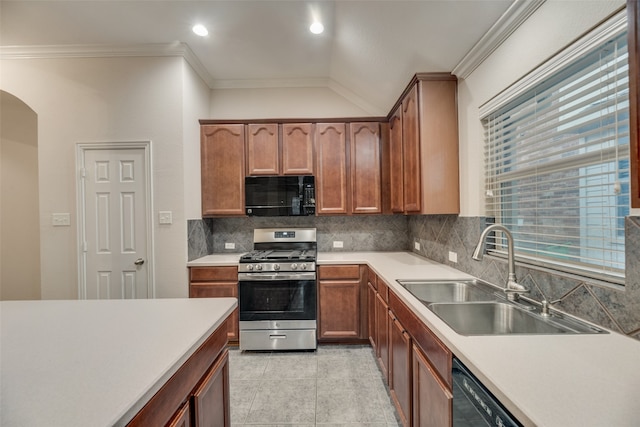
614,308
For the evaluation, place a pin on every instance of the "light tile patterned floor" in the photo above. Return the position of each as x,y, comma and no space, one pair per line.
331,387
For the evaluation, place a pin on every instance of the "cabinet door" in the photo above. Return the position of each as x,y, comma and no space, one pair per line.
263,156
219,290
396,170
297,149
211,398
371,314
400,374
182,418
432,400
411,152
382,335
365,172
331,170
222,163
339,309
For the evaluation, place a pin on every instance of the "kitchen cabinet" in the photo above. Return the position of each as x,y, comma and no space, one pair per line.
331,168
365,170
400,369
216,282
371,308
382,328
423,154
280,149
432,398
263,154
342,303
198,391
297,149
222,169
633,34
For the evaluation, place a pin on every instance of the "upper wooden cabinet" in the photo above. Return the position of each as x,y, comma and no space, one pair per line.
331,169
222,169
348,171
263,155
274,149
297,149
364,142
424,147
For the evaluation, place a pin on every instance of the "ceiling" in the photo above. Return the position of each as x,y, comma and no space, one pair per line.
369,49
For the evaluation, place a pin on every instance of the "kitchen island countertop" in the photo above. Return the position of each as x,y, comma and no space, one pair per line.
95,362
544,380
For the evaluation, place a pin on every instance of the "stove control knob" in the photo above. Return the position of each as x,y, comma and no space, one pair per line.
250,267
303,266
276,267
294,266
258,266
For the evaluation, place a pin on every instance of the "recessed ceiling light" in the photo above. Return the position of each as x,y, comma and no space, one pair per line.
200,30
316,28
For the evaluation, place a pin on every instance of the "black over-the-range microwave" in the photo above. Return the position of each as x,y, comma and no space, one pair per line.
280,195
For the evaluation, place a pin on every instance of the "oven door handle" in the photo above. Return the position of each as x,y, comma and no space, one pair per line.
275,276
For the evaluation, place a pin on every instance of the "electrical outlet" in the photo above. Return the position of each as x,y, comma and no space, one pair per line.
453,256
338,244
165,217
416,246
229,245
60,219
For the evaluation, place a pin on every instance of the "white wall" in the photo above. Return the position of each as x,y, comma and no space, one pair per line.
104,99
267,103
551,28
19,213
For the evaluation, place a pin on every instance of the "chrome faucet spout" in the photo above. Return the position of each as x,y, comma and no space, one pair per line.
513,288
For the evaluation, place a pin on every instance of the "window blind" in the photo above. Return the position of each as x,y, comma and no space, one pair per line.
557,165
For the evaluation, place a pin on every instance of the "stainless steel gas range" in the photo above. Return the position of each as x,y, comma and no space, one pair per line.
277,290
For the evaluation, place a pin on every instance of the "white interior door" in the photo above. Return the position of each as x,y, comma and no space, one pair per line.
114,223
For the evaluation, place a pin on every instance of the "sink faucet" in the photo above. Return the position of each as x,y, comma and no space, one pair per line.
513,288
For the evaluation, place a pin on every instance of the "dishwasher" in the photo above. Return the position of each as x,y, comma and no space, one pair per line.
473,404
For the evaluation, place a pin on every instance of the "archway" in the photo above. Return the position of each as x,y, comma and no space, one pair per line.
19,205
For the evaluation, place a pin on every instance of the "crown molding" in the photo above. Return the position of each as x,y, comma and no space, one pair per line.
108,51
180,50
510,20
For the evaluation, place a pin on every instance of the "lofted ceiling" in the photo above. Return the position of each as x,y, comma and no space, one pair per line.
368,51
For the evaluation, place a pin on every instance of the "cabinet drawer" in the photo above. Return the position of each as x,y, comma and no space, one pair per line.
329,272
383,290
437,353
204,274
372,278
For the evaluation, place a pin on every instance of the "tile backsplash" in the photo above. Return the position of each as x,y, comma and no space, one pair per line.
614,307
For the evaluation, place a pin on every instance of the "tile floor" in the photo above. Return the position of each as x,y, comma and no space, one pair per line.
333,386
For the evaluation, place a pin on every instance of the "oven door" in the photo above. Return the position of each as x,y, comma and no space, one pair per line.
277,296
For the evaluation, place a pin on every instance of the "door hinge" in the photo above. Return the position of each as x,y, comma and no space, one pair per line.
83,173
84,247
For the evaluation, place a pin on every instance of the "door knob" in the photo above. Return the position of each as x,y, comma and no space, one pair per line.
139,261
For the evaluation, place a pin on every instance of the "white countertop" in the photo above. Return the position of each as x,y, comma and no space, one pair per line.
95,363
544,380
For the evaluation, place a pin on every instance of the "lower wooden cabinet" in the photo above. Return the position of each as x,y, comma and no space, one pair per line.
211,398
217,282
400,369
371,314
342,303
197,394
382,330
432,399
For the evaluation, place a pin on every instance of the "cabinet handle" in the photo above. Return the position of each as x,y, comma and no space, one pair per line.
277,337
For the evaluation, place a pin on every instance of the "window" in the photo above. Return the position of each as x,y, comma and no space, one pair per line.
557,161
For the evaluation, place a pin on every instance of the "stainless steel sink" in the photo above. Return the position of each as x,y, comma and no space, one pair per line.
502,318
447,291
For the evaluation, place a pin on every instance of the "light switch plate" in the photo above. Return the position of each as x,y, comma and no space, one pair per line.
453,256
229,245
165,217
61,219
338,244
416,246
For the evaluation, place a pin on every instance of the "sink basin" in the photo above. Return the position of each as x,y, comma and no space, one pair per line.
447,291
498,318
